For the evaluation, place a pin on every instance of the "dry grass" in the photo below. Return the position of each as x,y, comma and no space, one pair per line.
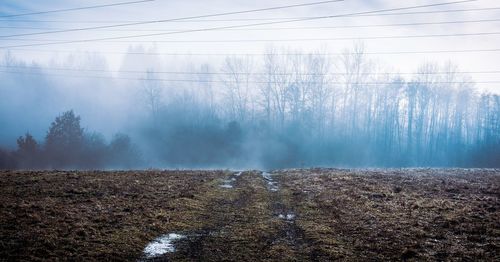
340,214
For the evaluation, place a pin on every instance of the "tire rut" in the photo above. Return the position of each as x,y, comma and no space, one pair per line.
290,237
250,218
235,224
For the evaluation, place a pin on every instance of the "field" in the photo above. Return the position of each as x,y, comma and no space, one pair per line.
285,215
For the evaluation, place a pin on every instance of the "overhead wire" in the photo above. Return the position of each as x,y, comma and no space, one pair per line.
179,19
261,54
75,9
254,19
288,28
235,26
235,73
284,40
231,81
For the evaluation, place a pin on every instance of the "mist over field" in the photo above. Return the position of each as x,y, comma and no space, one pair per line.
279,110
286,105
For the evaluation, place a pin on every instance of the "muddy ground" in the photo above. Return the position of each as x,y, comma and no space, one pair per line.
293,215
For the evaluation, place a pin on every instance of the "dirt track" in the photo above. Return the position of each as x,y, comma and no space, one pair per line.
318,214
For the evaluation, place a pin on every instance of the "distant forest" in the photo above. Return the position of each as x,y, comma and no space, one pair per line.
281,111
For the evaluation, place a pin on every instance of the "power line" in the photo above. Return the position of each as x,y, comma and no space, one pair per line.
265,54
76,8
288,28
283,40
233,82
179,19
436,12
239,26
237,73
255,19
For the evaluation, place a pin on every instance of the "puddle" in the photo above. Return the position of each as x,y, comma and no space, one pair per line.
161,245
288,217
267,176
271,184
226,186
228,183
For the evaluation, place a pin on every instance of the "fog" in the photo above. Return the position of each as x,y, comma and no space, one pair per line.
282,109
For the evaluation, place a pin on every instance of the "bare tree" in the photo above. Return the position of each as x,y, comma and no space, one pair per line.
152,93
237,78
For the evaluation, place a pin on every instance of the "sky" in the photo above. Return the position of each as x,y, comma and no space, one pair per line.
274,35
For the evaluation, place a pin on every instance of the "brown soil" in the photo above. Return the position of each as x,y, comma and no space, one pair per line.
409,214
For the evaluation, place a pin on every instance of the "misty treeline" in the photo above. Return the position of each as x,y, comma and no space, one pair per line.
285,109
67,145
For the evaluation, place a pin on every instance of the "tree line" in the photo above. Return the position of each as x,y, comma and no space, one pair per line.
67,145
286,110
307,110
